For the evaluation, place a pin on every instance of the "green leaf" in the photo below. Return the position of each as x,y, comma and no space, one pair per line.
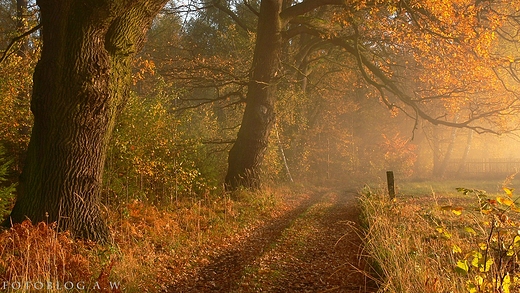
462,267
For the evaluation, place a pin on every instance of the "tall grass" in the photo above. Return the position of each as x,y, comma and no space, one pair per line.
406,257
465,241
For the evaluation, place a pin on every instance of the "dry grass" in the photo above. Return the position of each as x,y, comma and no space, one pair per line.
408,256
439,243
36,257
151,247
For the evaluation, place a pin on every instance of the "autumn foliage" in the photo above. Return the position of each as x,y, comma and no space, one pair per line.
362,87
37,253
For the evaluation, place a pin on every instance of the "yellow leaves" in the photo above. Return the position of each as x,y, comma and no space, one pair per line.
509,192
456,249
145,67
457,211
462,267
443,232
470,230
484,43
516,241
505,201
506,283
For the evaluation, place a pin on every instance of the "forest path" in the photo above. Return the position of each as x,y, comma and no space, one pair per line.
314,247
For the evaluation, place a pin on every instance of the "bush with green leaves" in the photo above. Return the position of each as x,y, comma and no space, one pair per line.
159,153
492,264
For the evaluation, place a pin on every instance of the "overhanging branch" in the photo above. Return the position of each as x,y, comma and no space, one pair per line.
16,39
236,19
386,83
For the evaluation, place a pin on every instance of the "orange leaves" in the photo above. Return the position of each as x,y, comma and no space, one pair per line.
447,49
37,253
145,67
15,88
399,154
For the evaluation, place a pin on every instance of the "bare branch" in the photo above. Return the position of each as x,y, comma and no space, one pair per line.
306,6
214,100
251,8
236,19
390,85
16,39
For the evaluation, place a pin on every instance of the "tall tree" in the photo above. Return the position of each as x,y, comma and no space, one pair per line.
375,35
247,152
80,83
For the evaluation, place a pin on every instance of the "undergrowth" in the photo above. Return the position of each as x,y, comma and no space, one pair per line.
465,243
152,245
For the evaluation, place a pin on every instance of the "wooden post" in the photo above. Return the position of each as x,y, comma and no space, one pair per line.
391,186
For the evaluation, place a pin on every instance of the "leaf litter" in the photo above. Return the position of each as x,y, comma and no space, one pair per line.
314,246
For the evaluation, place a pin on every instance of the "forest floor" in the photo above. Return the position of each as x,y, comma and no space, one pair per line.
314,246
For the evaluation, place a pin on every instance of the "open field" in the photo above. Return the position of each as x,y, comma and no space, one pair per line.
433,238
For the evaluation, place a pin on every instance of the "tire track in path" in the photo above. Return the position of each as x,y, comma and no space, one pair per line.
308,249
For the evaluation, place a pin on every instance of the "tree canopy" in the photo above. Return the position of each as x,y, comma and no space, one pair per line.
306,89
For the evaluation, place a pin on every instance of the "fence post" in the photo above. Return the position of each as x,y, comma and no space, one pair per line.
391,186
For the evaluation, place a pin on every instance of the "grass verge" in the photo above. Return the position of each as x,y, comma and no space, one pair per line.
448,241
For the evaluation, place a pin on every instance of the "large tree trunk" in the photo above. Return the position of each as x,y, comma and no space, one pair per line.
246,155
80,83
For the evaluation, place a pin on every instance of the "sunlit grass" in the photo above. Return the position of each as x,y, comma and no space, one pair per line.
432,238
448,187
164,244
152,245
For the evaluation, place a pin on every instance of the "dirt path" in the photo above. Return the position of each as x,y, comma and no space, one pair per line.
312,248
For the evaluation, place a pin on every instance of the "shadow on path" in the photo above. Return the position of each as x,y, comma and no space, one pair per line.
223,273
325,259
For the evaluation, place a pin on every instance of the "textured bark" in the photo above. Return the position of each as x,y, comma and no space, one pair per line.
80,83
246,155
